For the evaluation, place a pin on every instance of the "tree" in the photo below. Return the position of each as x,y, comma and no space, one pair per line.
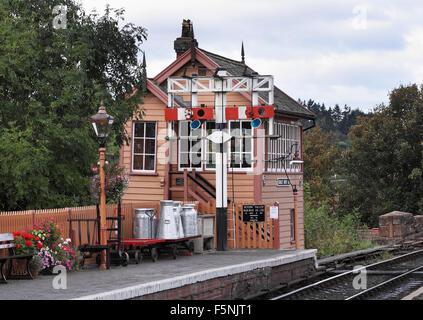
51,82
320,157
384,165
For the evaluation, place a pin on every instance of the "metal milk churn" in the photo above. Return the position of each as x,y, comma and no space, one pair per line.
167,223
189,220
178,220
144,224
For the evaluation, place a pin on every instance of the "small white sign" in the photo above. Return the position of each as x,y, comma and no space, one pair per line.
274,212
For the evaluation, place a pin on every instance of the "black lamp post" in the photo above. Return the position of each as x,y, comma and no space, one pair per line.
102,123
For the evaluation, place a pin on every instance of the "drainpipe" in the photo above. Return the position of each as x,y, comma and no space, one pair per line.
297,231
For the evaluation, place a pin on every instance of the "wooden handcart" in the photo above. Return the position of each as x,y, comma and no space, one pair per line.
137,248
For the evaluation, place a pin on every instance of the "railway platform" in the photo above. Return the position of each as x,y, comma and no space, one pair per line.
227,275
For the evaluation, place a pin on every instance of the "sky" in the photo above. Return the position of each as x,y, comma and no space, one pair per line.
334,52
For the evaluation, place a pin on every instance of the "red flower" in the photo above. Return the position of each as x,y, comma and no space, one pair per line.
28,243
73,252
58,230
18,246
37,239
18,233
39,245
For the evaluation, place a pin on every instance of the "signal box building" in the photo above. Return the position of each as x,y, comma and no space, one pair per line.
260,168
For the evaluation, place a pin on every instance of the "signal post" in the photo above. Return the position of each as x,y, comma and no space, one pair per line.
221,83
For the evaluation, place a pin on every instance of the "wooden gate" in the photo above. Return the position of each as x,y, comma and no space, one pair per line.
260,235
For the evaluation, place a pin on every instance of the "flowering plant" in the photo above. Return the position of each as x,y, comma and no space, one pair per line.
117,181
46,241
26,243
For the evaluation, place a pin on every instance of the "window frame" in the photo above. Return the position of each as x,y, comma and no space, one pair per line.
133,154
241,169
180,168
290,134
205,145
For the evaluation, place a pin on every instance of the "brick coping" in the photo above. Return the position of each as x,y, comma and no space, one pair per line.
180,281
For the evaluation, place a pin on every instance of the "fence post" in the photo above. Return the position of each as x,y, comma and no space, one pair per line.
71,235
276,243
33,219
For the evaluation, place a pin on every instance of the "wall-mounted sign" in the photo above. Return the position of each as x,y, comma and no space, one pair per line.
274,212
253,213
283,182
179,181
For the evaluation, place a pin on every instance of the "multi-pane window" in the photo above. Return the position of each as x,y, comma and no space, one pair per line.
210,147
282,150
189,148
144,146
241,146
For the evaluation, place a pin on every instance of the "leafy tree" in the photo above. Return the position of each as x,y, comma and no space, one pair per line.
335,120
384,165
320,156
51,82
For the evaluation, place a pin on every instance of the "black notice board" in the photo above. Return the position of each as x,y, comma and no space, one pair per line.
253,213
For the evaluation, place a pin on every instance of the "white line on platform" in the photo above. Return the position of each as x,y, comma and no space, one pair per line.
180,281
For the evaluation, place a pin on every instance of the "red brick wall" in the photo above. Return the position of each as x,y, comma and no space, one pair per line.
237,286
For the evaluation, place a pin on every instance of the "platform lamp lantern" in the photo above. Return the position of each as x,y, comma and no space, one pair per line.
102,123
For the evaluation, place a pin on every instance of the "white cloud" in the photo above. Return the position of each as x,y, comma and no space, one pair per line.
312,48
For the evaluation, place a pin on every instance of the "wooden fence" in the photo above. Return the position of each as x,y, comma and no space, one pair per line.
240,234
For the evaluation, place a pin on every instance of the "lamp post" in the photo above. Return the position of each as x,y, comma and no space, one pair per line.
296,162
102,123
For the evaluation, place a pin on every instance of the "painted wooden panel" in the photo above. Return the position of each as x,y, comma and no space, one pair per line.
147,187
284,195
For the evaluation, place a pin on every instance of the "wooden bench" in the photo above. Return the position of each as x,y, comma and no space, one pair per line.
7,242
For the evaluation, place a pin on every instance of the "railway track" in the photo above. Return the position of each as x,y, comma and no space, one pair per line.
388,279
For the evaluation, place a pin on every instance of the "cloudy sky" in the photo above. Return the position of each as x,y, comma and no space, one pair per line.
336,52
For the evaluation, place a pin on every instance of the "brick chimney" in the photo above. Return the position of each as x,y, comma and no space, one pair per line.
186,40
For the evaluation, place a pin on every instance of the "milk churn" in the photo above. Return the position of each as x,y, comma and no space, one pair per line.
144,224
189,220
167,223
177,212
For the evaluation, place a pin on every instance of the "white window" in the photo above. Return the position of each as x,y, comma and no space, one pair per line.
190,150
241,147
144,146
194,152
282,150
210,147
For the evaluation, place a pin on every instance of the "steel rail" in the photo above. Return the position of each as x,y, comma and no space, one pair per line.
380,285
348,273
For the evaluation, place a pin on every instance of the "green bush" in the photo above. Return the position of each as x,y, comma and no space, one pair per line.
332,235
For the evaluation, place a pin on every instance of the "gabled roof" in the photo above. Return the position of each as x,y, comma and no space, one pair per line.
283,103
